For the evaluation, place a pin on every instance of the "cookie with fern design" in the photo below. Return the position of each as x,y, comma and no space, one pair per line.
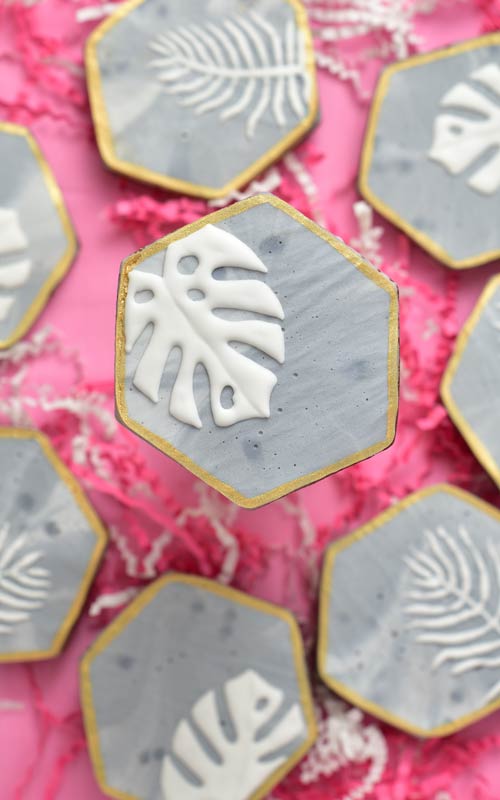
257,350
37,240
434,132
224,710
410,613
221,90
50,545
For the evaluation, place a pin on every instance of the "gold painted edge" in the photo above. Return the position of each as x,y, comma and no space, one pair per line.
479,449
64,263
324,607
97,527
132,611
104,136
358,262
422,239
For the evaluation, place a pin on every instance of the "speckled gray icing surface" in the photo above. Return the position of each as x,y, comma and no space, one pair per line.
475,385
45,547
158,130
24,192
399,583
331,396
425,194
185,642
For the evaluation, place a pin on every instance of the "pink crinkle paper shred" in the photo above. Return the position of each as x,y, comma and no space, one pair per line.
159,517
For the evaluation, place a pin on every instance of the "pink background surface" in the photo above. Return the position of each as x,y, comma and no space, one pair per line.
42,748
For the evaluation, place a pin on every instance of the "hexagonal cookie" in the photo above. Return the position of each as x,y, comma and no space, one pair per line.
220,90
471,382
215,682
430,162
37,241
289,343
409,613
51,542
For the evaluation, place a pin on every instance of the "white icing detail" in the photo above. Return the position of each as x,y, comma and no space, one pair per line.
14,274
242,66
204,337
12,238
239,768
460,141
24,584
455,584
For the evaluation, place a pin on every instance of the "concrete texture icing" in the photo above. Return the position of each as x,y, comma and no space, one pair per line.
331,396
191,656
411,618
33,240
426,147
472,385
46,544
204,76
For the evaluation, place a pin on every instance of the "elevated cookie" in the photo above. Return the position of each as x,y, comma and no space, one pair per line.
471,383
409,613
201,97
257,350
37,241
196,691
50,545
431,159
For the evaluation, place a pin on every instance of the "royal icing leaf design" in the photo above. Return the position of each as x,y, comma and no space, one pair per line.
240,67
24,584
230,768
13,274
460,140
456,602
182,312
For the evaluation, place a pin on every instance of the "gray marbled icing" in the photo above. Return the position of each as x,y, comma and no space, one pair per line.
371,650
24,190
35,501
421,191
475,386
331,398
185,642
149,127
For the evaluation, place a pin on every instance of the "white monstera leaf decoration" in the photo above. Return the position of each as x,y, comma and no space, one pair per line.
240,67
16,271
231,768
182,310
460,140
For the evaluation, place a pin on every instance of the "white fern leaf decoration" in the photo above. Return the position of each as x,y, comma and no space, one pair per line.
459,141
181,311
455,602
242,66
13,274
24,584
230,769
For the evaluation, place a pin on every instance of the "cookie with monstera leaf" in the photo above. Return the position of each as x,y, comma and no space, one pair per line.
215,683
431,158
257,350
